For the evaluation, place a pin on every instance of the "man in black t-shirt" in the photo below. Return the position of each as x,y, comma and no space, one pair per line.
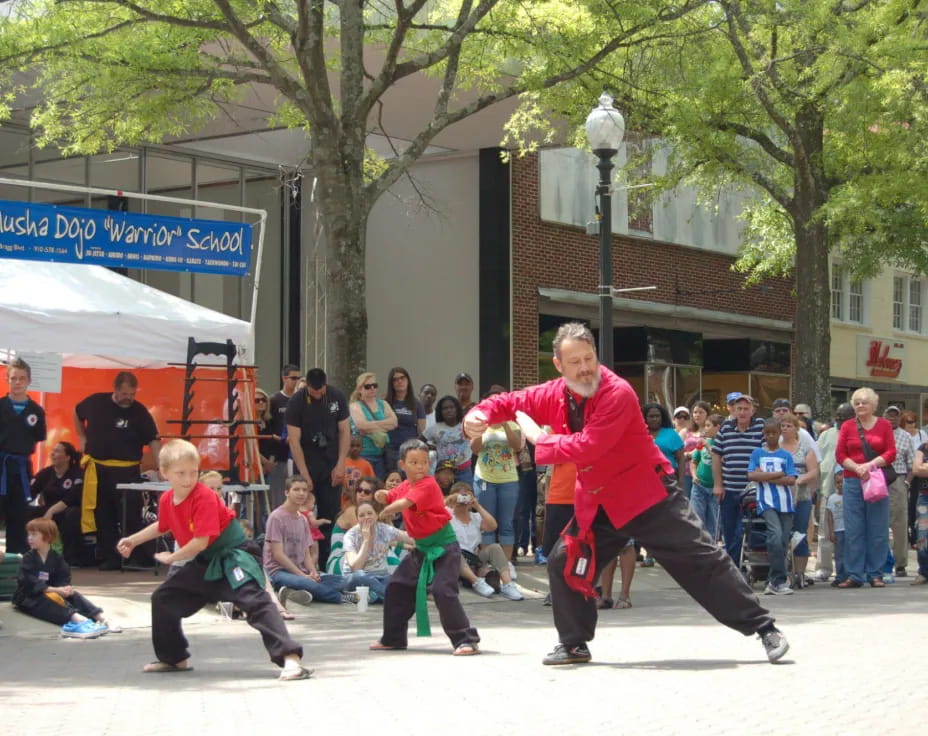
289,378
319,437
22,424
113,429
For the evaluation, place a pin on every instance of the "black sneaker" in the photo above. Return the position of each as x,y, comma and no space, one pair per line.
564,654
775,643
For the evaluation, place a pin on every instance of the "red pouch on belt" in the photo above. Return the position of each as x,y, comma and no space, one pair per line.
580,566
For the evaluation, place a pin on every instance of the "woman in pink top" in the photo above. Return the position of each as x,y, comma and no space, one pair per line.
866,524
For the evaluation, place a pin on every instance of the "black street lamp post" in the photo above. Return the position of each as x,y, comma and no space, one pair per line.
605,129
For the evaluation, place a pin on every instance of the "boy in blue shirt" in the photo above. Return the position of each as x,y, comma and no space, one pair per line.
773,471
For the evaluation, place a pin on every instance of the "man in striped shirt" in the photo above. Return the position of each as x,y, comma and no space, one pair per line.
737,438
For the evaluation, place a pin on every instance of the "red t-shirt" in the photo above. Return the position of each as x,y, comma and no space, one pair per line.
428,513
201,514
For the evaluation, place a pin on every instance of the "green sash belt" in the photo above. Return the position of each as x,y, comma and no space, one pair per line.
432,547
228,560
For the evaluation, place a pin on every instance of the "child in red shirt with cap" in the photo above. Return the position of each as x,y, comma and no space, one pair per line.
220,568
434,563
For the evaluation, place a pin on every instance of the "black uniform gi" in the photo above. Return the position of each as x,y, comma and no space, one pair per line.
18,435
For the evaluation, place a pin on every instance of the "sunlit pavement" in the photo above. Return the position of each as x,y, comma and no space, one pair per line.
661,667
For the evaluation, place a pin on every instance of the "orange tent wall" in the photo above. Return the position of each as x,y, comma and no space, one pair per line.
161,390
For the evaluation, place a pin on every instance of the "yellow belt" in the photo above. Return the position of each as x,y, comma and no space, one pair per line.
89,497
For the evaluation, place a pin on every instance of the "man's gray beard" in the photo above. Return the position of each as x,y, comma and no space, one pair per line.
584,389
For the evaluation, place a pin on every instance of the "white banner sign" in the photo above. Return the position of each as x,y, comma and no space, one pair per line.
46,371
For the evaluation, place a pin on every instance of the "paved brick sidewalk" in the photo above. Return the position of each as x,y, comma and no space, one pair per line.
662,667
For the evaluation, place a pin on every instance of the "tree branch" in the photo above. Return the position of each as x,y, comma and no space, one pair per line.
761,139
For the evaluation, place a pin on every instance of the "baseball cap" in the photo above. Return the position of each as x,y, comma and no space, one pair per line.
890,408
681,409
463,377
735,396
316,378
445,465
781,403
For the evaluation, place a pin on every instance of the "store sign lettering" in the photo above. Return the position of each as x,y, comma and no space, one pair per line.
879,362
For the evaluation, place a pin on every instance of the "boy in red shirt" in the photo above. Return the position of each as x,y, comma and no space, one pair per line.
220,568
434,563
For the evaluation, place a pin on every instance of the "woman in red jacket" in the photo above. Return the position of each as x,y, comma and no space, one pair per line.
866,524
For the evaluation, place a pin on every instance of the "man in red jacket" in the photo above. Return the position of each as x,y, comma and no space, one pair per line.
624,489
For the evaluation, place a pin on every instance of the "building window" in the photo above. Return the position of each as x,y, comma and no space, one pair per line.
848,297
915,305
898,303
837,293
908,300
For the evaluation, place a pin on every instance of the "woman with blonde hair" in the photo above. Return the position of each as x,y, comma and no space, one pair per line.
865,445
372,418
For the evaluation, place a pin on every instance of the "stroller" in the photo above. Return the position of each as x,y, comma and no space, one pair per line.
754,562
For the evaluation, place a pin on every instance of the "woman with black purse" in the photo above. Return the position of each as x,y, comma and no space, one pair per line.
865,446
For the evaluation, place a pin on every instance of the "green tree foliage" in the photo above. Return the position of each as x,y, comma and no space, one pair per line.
816,109
116,72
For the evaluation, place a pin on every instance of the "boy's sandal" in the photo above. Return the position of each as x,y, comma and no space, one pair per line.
295,673
378,646
623,603
877,583
160,667
466,650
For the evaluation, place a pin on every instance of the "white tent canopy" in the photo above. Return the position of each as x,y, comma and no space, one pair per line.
90,311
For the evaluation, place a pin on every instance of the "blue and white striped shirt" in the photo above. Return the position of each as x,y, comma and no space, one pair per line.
773,495
735,449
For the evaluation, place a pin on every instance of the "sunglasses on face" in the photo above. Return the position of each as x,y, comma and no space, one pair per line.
260,401
369,385
368,491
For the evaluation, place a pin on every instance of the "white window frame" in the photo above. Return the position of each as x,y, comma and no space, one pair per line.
899,314
850,294
913,315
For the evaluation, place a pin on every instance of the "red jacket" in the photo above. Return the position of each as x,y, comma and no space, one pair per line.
618,465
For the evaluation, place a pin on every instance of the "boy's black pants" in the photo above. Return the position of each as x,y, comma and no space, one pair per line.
46,609
674,535
400,602
187,591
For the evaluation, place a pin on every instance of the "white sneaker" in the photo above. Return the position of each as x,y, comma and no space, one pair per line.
111,627
512,572
302,597
782,589
510,591
482,587
820,577
770,589
795,540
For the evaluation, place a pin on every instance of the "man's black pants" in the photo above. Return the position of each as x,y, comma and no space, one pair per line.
399,605
187,591
676,538
328,502
108,514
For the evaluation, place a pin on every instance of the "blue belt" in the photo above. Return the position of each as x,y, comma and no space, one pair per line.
21,461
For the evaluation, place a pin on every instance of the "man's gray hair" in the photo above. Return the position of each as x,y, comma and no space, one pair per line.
572,331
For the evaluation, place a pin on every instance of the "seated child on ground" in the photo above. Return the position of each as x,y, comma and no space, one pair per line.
44,590
470,520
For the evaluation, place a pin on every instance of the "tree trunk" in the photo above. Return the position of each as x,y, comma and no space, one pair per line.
812,277
344,213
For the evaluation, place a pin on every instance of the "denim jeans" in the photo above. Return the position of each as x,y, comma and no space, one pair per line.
921,542
378,464
706,507
730,521
866,533
688,484
801,524
327,590
778,530
525,514
500,499
840,570
376,581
